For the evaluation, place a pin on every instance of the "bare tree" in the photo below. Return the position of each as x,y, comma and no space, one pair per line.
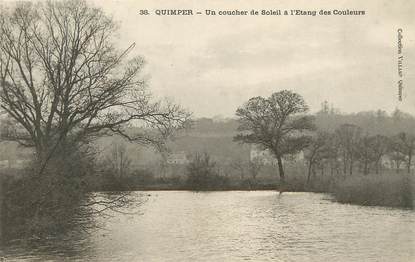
316,152
381,146
406,145
254,167
240,167
333,153
395,153
64,81
276,123
348,136
366,152
397,158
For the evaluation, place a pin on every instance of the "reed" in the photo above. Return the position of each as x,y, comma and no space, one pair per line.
391,190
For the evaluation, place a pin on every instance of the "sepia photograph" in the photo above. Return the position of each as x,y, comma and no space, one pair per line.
152,130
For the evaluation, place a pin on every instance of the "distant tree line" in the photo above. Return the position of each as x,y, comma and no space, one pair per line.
349,148
281,125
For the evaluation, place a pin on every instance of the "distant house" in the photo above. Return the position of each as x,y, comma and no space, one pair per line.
265,157
177,158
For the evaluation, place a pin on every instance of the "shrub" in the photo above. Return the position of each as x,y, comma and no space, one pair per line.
46,203
202,174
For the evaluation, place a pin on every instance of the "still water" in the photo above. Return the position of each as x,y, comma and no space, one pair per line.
236,226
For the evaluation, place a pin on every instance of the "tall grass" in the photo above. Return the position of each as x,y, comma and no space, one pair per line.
388,189
392,190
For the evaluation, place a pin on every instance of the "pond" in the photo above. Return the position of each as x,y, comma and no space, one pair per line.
236,226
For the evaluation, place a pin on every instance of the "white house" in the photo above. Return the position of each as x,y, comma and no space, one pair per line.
177,158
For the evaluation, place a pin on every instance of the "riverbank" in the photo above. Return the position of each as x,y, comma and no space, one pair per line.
389,190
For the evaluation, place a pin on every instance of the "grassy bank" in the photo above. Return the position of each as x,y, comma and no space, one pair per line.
391,190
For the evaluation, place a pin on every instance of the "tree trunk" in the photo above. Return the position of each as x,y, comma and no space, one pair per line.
409,162
310,165
377,167
344,164
281,169
365,167
351,166
1,207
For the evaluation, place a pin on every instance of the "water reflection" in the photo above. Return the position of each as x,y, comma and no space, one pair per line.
234,226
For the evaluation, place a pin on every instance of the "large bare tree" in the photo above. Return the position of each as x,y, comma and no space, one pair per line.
277,123
63,79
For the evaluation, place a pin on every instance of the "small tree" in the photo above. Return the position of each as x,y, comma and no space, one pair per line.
316,152
240,167
348,136
366,152
381,146
276,123
406,145
254,166
395,153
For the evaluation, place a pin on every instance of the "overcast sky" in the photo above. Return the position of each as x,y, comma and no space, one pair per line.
211,65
